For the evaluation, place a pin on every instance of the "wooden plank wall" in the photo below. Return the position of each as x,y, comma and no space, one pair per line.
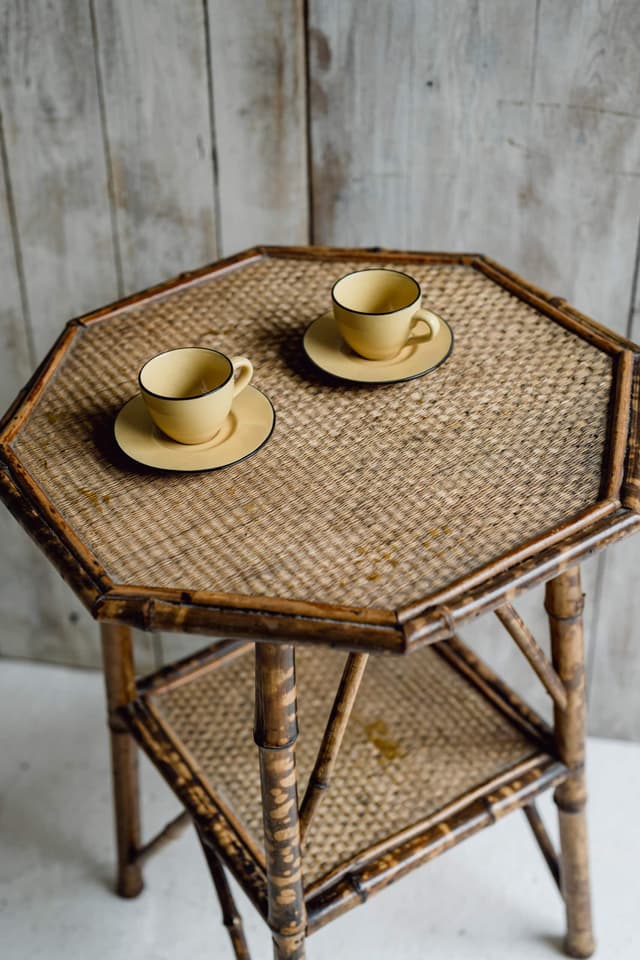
139,139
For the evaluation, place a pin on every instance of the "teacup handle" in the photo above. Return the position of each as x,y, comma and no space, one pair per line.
431,319
244,370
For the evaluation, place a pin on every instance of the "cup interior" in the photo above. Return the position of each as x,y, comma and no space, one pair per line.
376,291
185,373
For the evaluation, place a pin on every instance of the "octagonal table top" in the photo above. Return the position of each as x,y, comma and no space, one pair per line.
376,517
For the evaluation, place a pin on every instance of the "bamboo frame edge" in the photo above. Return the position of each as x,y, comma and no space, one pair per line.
431,822
144,612
150,733
323,252
34,496
556,307
618,424
353,889
49,541
145,705
431,622
631,482
511,560
441,620
183,280
362,616
30,394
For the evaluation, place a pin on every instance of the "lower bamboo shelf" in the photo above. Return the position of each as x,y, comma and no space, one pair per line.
436,749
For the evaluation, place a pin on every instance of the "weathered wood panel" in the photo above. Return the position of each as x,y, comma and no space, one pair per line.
62,253
258,83
512,128
614,669
451,125
633,328
155,95
39,267
20,562
407,141
49,103
588,81
586,98
15,353
614,676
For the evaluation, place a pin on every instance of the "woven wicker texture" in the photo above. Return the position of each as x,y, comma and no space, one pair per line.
420,735
369,496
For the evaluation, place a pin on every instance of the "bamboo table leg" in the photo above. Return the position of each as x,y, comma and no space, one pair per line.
117,654
564,604
276,731
230,916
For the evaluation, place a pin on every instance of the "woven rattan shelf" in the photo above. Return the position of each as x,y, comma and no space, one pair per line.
376,520
428,740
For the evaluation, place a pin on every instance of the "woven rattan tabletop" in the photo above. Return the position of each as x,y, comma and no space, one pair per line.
375,514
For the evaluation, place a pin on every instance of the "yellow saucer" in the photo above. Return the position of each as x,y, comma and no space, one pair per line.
246,429
326,348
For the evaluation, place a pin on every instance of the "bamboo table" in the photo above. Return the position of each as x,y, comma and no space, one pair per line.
375,521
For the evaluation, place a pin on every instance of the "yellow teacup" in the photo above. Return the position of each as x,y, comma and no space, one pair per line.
377,309
188,392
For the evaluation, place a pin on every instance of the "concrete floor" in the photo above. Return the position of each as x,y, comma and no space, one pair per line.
489,899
